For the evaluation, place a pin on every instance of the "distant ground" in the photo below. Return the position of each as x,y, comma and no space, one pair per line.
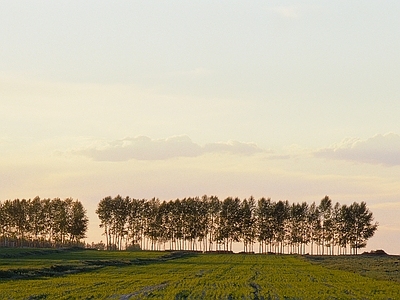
382,267
91,274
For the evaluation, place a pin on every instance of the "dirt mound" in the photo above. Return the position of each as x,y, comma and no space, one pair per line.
376,252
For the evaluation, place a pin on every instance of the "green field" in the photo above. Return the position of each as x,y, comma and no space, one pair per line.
88,274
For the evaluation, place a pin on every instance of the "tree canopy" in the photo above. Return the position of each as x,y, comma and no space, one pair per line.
209,224
42,222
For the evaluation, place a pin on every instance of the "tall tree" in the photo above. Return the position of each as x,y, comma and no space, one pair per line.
361,225
207,223
325,214
213,208
78,222
314,226
59,219
281,214
247,223
265,223
104,212
229,222
135,226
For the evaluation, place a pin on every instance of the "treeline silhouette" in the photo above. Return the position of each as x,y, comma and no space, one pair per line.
42,223
209,224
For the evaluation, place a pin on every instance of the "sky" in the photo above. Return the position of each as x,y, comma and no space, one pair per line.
291,100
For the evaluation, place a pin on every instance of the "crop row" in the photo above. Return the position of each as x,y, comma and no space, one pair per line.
192,276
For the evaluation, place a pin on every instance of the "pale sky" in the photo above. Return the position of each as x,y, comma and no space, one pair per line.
170,99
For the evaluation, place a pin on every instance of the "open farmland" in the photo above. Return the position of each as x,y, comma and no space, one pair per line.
84,274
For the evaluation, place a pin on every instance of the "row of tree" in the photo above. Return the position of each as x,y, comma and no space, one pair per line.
209,224
42,222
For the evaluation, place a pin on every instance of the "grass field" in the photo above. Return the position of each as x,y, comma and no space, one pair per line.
88,274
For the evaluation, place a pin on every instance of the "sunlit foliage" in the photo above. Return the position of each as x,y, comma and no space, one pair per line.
42,222
208,224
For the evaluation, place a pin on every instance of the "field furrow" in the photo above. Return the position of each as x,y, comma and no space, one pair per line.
161,275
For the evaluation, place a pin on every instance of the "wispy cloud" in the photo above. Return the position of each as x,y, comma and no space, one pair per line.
197,72
289,12
388,205
379,149
145,148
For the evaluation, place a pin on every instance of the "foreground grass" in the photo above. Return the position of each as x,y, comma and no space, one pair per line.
159,275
